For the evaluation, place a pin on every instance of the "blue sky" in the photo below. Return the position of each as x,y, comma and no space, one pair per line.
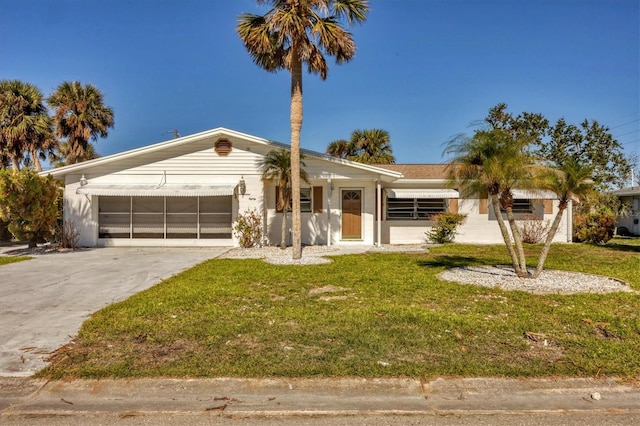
425,70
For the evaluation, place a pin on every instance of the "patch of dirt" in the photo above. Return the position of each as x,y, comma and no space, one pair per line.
541,346
326,289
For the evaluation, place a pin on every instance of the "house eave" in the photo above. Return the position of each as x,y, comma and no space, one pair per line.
627,192
217,132
422,181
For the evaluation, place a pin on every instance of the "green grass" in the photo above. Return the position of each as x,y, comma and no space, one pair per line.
388,315
5,260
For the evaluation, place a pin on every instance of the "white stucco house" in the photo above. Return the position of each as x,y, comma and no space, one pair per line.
631,197
188,191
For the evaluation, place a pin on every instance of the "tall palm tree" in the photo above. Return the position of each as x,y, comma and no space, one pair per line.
276,166
570,180
293,33
341,149
25,126
80,116
371,146
43,147
64,148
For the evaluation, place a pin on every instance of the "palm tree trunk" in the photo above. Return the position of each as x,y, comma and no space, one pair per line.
15,164
296,127
495,202
517,239
283,236
550,235
36,161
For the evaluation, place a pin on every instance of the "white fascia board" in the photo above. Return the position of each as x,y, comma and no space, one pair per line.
135,152
219,131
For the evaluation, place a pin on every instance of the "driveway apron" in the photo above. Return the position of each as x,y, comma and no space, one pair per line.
45,300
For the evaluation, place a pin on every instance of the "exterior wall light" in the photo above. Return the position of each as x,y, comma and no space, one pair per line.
242,186
83,180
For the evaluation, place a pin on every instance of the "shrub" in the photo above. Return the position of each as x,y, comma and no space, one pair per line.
67,235
248,228
28,202
594,228
533,230
445,227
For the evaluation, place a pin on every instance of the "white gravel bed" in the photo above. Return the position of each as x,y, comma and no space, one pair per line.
311,255
400,248
549,281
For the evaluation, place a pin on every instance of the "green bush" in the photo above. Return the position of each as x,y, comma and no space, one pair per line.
248,228
28,202
594,228
445,227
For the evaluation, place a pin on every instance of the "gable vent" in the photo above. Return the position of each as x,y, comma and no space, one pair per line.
222,147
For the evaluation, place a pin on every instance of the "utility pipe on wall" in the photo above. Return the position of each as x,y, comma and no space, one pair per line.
378,212
329,193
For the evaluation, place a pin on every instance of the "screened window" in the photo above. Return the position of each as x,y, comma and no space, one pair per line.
165,217
522,205
115,217
215,217
305,200
148,217
414,208
182,217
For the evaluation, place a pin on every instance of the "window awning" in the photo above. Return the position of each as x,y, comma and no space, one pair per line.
157,191
422,193
533,194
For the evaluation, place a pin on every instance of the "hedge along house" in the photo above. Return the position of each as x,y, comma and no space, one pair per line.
188,191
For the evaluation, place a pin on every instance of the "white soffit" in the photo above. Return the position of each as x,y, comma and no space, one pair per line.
157,191
422,193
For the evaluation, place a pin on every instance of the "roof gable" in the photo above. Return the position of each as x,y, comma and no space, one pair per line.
211,134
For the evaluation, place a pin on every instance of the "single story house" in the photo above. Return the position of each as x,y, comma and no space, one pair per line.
631,197
188,192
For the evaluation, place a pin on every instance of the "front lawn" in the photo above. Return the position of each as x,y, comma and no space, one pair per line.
371,315
5,260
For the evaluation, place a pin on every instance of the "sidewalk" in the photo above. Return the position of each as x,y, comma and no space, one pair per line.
314,397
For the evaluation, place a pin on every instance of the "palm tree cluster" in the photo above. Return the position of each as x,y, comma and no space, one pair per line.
28,134
500,158
371,146
293,33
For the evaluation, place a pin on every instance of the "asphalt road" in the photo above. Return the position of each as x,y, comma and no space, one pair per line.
499,419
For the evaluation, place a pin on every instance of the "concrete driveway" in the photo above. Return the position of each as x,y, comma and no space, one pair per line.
44,301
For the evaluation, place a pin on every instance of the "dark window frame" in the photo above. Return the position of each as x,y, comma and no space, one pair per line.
306,200
521,206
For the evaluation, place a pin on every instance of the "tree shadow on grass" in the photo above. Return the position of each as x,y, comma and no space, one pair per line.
622,247
451,261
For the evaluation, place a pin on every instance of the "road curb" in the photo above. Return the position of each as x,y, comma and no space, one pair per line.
315,397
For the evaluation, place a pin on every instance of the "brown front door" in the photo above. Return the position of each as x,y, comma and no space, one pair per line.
352,214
